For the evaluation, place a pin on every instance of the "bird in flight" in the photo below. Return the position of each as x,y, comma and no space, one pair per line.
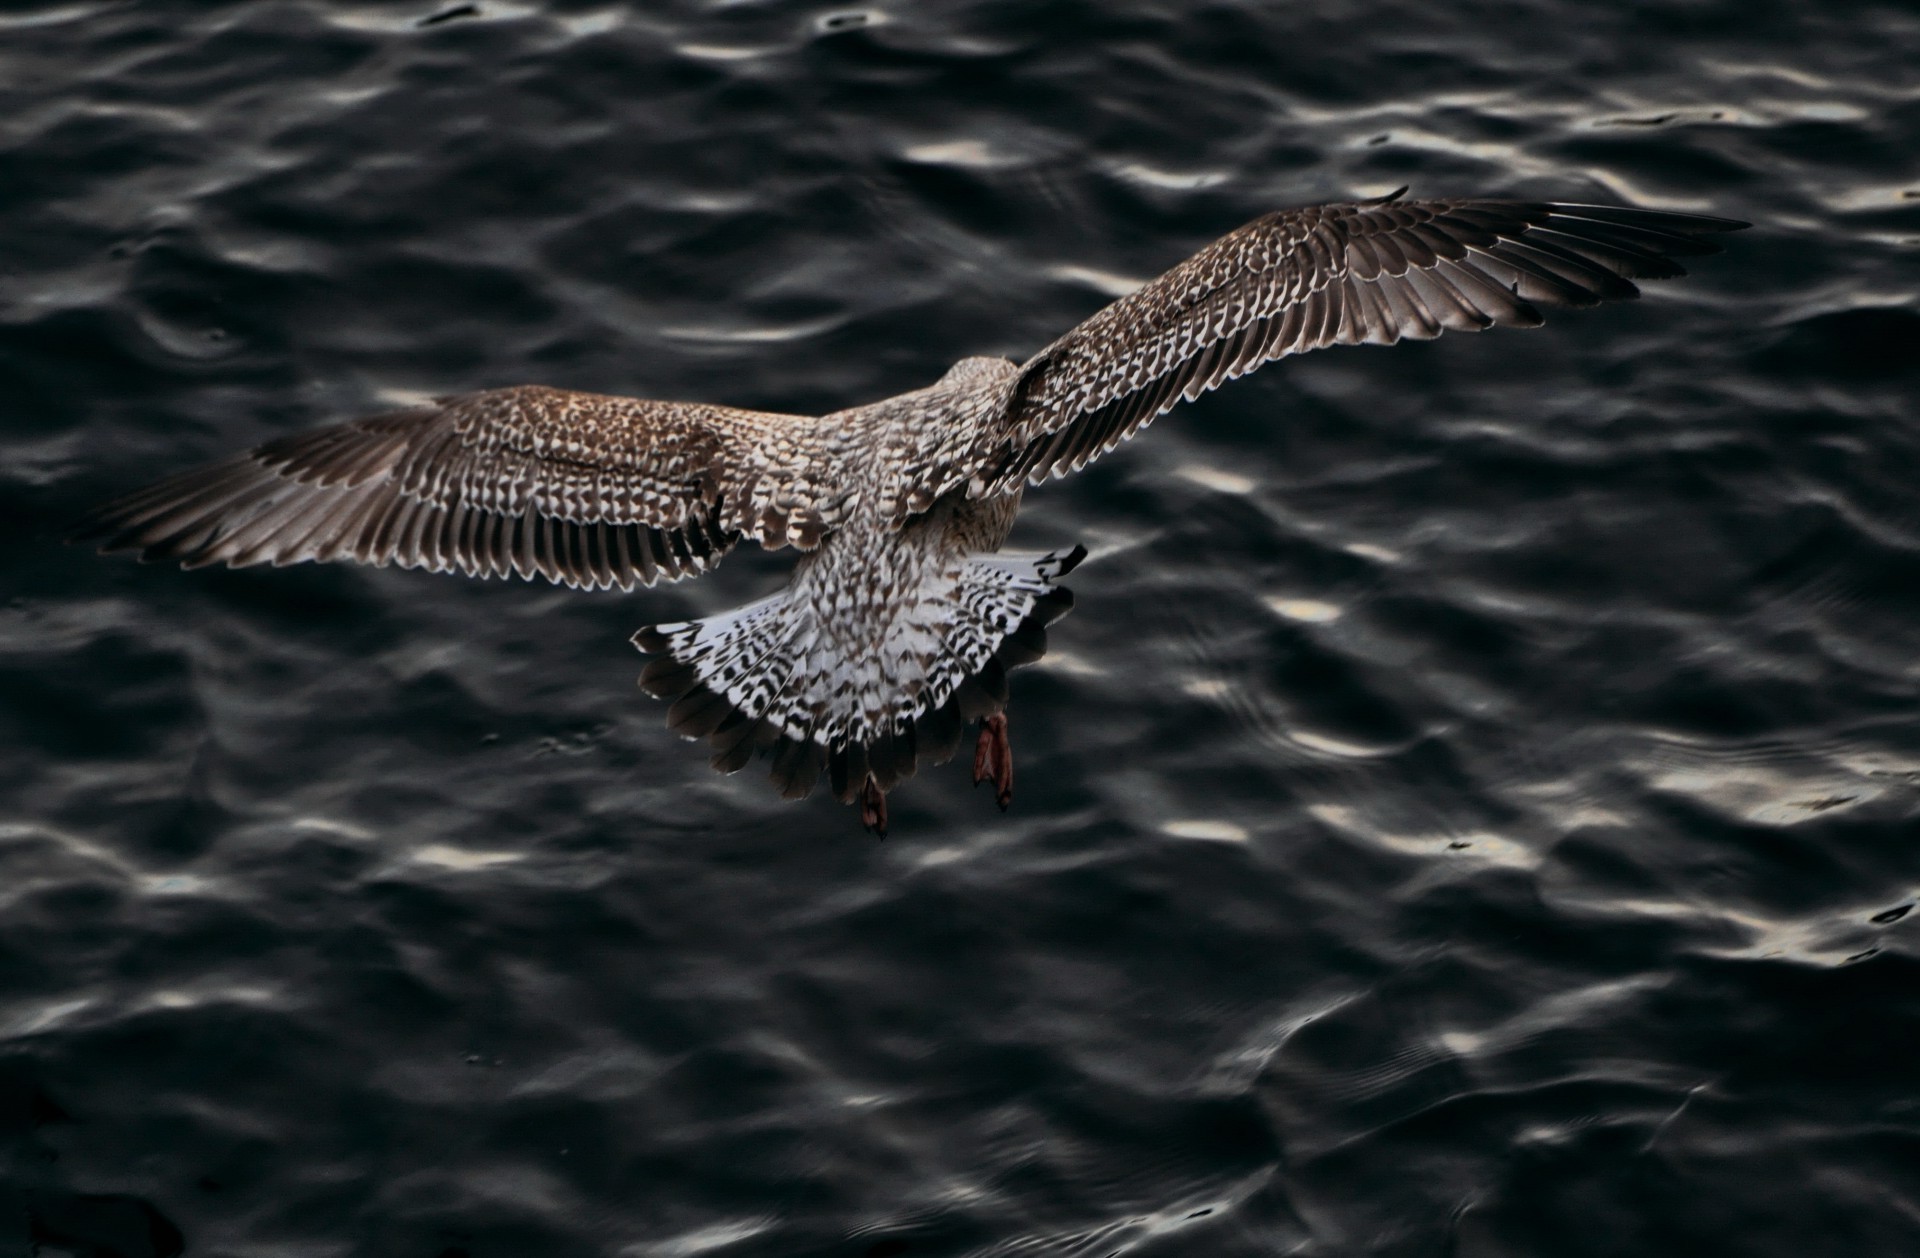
903,615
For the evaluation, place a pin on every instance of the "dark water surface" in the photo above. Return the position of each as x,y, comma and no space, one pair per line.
1472,811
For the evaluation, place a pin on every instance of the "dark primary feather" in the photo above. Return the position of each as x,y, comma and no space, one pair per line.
590,491
1372,272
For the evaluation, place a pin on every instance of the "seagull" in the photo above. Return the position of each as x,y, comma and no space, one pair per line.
902,616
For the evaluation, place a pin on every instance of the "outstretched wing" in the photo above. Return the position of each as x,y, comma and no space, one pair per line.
1296,280
579,488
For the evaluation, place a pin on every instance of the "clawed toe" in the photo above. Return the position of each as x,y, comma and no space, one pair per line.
993,759
873,808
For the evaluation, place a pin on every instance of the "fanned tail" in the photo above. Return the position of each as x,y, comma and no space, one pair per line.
767,677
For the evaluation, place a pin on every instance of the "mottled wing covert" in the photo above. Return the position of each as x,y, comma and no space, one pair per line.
1370,272
583,489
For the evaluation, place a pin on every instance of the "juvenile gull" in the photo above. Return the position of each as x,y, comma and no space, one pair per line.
902,616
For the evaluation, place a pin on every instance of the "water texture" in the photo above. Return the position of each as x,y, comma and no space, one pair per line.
1472,811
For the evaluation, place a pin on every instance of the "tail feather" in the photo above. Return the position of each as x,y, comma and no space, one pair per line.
796,767
765,678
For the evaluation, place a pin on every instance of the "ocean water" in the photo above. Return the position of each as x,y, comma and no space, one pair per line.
1471,812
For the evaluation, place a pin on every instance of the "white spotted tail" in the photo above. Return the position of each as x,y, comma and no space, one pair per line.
781,675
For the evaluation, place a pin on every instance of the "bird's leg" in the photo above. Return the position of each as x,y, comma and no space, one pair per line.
993,758
873,808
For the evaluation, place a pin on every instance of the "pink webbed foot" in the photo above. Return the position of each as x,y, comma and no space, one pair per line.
873,808
993,758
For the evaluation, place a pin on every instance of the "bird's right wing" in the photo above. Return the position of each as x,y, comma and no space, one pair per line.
579,488
1297,280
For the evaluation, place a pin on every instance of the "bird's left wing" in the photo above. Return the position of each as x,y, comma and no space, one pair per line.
579,488
1368,272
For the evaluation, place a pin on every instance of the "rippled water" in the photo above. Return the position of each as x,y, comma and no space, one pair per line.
1471,811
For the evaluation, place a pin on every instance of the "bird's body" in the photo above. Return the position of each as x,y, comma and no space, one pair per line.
901,617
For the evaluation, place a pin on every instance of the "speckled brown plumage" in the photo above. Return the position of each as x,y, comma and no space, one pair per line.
901,618
591,491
